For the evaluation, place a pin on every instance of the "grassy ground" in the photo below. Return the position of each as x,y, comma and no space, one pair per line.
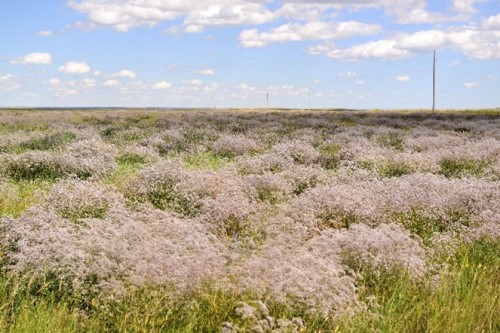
460,294
464,299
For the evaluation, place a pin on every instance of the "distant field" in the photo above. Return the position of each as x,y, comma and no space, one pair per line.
249,220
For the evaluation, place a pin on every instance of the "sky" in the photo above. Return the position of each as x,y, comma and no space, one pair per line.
234,53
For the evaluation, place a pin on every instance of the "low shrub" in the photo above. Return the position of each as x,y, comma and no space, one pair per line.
456,168
47,142
234,145
33,165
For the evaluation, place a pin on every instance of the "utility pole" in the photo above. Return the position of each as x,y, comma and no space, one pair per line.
267,101
434,82
309,97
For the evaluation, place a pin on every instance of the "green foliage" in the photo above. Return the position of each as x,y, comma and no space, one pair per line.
465,299
206,160
131,158
395,169
425,225
329,158
45,169
49,142
24,194
335,217
392,140
455,168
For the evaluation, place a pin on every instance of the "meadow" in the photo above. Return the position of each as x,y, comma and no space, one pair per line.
249,221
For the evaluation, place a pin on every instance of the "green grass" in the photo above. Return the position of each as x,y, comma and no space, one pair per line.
455,168
425,225
125,169
391,140
48,142
26,193
206,160
329,158
394,169
464,300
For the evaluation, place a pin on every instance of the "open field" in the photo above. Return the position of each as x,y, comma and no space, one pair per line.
249,221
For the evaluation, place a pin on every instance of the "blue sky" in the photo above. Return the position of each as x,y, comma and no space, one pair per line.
230,53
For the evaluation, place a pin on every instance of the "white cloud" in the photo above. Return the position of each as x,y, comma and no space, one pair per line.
472,42
35,58
403,78
190,29
162,85
123,15
492,23
471,84
349,74
454,63
194,28
207,71
9,83
73,67
379,49
111,83
125,74
305,11
90,83
195,82
97,73
6,77
46,33
54,82
317,30
360,82
465,6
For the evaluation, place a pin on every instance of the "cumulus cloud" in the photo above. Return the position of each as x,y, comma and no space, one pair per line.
317,30
190,29
195,82
471,84
403,78
162,85
35,58
123,15
465,6
383,48
6,77
54,82
208,71
73,67
46,33
125,74
349,74
111,83
492,23
89,83
472,42
9,83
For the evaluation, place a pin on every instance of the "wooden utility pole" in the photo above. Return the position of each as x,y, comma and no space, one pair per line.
267,101
434,82
309,97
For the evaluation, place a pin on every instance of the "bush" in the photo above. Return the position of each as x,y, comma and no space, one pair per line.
48,142
456,168
75,199
33,165
234,145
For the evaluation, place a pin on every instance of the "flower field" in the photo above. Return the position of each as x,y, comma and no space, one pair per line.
249,221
